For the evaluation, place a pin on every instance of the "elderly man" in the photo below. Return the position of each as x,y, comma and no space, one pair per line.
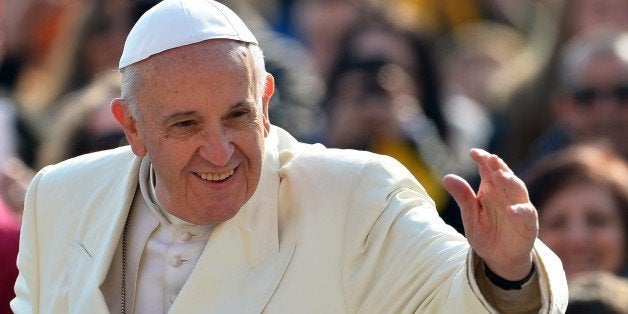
214,210
591,98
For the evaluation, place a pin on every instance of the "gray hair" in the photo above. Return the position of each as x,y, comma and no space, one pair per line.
131,78
578,52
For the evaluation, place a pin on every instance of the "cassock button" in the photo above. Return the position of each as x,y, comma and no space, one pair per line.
176,261
186,236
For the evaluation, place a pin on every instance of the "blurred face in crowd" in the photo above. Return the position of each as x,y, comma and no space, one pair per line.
372,106
107,32
588,16
374,42
202,122
597,106
583,226
321,24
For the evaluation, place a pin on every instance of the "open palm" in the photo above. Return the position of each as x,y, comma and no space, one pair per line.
500,222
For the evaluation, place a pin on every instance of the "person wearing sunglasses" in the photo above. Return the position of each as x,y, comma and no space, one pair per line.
211,209
591,98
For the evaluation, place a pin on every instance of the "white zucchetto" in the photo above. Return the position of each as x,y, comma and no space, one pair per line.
175,23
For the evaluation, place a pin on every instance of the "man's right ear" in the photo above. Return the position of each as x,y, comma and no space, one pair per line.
123,115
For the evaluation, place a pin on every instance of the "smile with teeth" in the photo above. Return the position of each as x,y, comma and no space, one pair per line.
215,176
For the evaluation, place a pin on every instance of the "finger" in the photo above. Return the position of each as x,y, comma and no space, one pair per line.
461,191
502,164
511,186
491,161
480,156
508,180
495,163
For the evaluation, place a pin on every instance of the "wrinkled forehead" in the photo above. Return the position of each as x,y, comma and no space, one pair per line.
191,57
599,68
196,73
603,68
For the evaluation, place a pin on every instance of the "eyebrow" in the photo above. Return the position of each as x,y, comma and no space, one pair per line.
244,103
184,114
178,115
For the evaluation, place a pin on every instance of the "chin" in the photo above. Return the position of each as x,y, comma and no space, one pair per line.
214,216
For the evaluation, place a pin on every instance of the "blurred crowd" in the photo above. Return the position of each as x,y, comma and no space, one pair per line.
542,83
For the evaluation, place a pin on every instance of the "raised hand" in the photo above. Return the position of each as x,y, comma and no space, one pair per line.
499,221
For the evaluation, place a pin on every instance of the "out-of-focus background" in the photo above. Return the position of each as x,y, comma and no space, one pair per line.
423,81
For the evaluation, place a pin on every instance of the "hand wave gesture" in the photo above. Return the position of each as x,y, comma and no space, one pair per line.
499,221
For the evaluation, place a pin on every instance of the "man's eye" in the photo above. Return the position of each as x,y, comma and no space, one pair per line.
238,114
185,123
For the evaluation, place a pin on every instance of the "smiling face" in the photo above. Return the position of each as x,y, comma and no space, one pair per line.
202,123
583,226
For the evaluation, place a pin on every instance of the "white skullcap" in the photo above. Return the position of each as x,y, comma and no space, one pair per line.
175,23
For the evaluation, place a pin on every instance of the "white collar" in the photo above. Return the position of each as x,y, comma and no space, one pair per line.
147,187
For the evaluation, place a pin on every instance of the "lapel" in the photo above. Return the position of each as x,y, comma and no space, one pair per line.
94,245
243,261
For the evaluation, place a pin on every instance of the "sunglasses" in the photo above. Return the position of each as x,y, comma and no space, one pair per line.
587,95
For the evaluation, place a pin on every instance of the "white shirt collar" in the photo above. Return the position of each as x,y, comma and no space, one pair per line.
147,187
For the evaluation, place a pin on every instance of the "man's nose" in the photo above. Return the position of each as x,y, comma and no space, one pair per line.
216,147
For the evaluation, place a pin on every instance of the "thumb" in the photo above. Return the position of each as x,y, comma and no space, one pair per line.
461,191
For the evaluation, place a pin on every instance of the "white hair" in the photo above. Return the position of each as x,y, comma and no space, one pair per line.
259,68
580,50
131,78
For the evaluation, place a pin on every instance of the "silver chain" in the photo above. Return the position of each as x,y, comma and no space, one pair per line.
124,245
